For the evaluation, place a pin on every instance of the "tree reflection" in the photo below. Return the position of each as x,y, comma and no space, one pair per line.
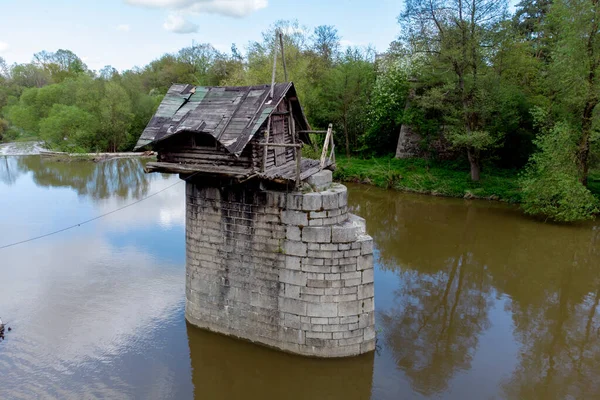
9,171
434,327
560,331
124,178
454,259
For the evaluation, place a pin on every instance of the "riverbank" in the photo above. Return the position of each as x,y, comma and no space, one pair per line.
420,176
438,179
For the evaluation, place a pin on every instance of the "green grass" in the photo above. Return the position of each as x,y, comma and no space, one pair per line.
417,175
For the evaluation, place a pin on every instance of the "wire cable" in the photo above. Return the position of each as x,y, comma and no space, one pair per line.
95,218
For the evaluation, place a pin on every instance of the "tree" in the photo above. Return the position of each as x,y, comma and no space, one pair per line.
457,38
69,128
60,65
326,43
574,71
346,91
115,117
550,184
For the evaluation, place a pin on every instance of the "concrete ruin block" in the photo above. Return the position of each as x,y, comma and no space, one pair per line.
345,233
296,218
294,248
321,180
316,234
293,233
312,202
330,199
259,268
294,201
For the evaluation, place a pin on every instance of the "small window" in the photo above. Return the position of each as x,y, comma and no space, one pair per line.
204,140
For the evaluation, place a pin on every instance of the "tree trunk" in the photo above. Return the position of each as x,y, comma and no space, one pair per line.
347,137
473,155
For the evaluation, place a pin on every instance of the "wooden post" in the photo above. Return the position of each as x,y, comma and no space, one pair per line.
264,164
292,123
283,56
274,66
326,145
298,165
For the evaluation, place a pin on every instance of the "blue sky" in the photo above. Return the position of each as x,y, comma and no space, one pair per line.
128,33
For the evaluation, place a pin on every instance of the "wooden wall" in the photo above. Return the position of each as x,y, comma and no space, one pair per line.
280,132
202,149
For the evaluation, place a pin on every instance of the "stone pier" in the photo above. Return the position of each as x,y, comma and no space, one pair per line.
292,271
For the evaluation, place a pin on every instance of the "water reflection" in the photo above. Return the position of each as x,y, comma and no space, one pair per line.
123,178
455,262
473,300
225,368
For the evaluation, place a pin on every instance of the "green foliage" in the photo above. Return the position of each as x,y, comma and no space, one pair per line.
68,127
550,184
421,176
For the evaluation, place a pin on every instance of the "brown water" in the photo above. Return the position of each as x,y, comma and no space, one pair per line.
474,301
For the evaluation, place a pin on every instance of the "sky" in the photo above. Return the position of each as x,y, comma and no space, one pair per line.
130,33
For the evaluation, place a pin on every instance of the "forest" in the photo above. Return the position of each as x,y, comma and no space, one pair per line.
483,89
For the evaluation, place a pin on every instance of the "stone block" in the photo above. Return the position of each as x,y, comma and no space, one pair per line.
317,214
365,262
330,200
292,306
293,263
293,277
321,180
293,233
316,234
297,218
322,310
294,201
345,233
294,248
366,246
348,308
367,276
316,222
318,335
312,202
366,291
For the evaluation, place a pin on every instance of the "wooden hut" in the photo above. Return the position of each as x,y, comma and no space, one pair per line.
237,132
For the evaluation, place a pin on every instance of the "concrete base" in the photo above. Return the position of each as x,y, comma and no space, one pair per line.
292,271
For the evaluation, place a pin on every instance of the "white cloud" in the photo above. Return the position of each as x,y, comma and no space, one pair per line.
177,24
3,46
123,28
230,8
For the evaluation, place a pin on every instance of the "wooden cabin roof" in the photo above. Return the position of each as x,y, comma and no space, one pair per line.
232,115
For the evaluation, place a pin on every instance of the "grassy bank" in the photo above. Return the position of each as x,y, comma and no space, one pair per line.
417,175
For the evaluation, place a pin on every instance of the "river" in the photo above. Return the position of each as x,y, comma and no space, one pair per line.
473,300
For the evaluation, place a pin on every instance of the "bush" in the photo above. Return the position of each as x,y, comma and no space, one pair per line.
550,184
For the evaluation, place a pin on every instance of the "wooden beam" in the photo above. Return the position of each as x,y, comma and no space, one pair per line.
264,165
328,139
298,165
279,145
315,132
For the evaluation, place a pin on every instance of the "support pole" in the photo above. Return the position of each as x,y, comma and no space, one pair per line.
274,65
283,56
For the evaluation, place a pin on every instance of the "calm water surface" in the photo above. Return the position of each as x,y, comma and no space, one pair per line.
474,301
